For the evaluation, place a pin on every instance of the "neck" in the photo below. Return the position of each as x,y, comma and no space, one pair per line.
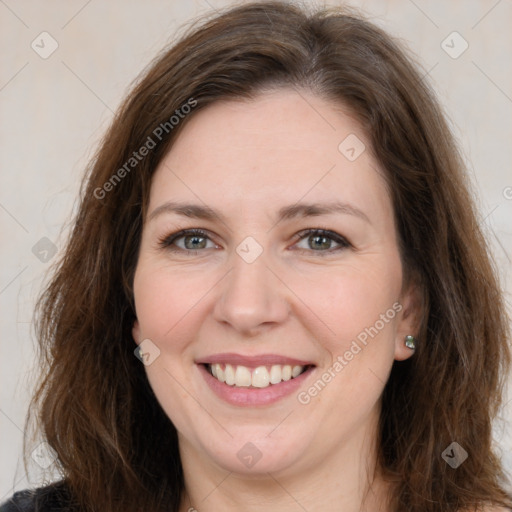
345,479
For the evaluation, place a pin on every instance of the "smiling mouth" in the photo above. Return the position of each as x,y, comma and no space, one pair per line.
259,377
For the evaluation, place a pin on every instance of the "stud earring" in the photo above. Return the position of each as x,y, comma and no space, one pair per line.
410,342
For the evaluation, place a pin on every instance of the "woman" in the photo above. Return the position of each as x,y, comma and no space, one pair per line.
278,227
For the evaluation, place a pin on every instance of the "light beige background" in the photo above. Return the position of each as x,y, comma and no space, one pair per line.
53,112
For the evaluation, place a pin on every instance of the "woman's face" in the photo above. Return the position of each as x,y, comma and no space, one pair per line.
303,326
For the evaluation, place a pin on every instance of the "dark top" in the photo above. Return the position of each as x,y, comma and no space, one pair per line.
51,498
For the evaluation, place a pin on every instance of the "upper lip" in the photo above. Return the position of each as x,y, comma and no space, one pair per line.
252,361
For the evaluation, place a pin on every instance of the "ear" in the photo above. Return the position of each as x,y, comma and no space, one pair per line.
409,321
136,332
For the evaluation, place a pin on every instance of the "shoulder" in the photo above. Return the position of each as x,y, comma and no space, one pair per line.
51,498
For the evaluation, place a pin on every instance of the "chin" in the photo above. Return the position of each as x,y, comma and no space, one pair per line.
256,451
254,460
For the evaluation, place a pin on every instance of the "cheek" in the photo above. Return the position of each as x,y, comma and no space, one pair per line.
167,311
349,300
360,309
166,300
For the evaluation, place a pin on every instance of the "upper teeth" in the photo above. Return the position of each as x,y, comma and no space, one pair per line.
259,377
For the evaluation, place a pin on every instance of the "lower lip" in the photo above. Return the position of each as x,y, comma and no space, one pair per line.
248,396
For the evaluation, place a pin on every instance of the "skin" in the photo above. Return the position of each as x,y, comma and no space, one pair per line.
247,159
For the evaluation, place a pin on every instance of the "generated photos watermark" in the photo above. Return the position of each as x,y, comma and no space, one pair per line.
151,142
357,345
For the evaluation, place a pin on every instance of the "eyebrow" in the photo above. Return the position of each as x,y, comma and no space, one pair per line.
196,211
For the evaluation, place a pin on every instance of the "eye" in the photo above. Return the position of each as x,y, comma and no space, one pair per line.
193,239
318,240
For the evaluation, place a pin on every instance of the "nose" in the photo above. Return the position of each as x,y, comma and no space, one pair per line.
252,297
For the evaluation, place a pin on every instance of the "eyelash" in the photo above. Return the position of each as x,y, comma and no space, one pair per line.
167,241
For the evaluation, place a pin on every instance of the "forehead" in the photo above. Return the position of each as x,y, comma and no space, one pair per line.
283,122
270,150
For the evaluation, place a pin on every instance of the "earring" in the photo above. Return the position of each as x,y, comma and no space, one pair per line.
410,342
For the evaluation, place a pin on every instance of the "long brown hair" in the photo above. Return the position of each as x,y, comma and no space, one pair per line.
117,449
